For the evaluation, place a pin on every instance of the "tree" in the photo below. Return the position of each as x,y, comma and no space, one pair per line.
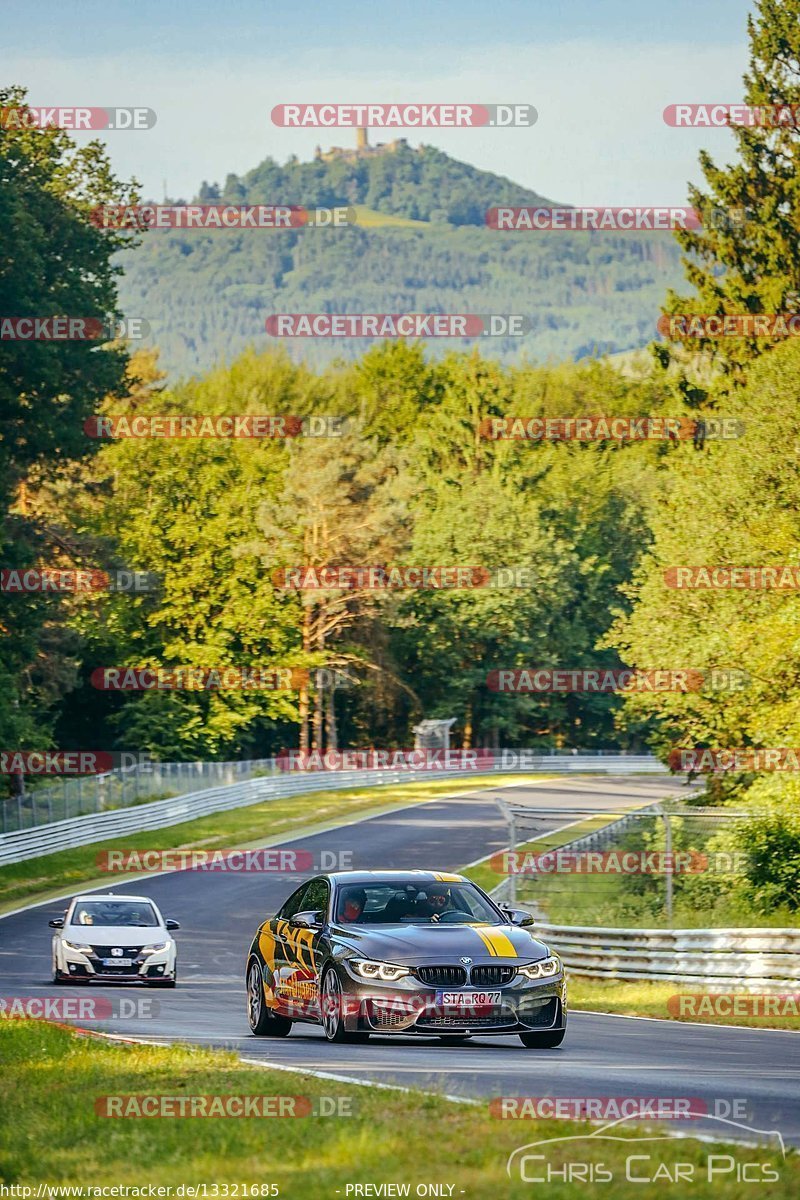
746,257
340,505
735,504
185,510
56,262
53,262
566,517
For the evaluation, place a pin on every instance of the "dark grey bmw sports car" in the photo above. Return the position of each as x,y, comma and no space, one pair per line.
403,952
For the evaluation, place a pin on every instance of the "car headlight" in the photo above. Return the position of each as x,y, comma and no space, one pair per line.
76,946
154,949
386,972
542,969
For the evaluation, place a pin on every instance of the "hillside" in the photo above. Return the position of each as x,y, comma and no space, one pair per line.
423,184
420,245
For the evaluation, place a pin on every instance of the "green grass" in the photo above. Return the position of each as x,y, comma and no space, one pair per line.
643,998
52,1132
259,824
255,825
615,899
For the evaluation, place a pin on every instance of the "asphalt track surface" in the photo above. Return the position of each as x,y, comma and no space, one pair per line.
602,1055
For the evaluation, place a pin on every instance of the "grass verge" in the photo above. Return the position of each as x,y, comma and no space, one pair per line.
255,825
685,1002
53,1133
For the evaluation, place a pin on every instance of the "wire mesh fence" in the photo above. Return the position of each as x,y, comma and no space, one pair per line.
63,797
648,867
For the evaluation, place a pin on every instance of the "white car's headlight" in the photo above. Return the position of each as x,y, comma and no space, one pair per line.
386,972
154,949
77,946
542,969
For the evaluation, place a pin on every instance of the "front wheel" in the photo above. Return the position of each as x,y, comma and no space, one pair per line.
333,1010
262,1022
543,1041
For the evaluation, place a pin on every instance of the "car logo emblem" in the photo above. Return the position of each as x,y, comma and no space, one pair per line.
466,961
116,951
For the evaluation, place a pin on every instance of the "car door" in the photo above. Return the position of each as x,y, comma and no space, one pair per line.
299,984
273,951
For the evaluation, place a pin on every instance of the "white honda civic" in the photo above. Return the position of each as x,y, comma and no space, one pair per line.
108,937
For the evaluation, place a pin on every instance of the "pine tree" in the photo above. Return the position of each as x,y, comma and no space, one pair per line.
746,256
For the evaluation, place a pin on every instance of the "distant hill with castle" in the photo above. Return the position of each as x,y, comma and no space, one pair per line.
422,184
421,245
362,149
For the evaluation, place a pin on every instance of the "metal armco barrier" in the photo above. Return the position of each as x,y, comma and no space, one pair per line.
96,827
62,797
744,958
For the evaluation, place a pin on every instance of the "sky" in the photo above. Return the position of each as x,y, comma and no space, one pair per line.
599,72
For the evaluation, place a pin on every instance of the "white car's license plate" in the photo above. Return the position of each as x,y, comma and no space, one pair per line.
117,962
467,999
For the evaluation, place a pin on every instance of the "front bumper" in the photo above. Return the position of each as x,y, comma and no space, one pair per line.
144,968
411,1008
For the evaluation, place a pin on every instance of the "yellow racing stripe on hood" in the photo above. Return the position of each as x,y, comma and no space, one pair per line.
488,945
498,943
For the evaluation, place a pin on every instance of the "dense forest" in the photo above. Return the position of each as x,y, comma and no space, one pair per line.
420,244
407,481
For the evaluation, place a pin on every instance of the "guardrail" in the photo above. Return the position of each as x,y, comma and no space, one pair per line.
516,817
744,958
60,798
20,845
97,827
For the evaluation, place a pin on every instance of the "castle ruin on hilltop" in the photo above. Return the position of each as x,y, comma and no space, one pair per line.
362,150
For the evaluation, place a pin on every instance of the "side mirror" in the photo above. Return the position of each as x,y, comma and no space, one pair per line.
312,919
170,924
518,916
56,923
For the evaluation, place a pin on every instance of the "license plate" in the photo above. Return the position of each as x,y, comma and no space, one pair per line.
117,962
467,999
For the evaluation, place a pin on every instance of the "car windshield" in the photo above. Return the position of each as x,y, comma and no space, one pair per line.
104,912
409,902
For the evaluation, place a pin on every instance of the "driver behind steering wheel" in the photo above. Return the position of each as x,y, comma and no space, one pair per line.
437,901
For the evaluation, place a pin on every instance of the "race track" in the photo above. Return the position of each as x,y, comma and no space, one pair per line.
601,1056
